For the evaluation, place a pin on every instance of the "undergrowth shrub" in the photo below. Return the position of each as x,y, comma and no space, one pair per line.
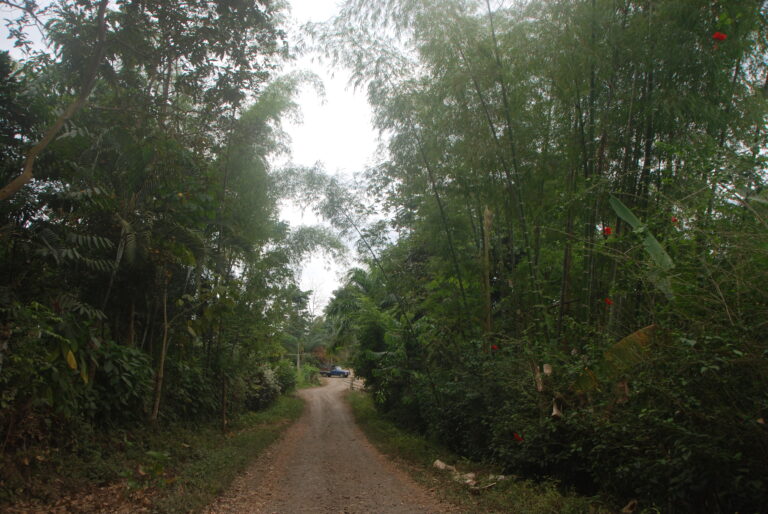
262,388
190,392
286,375
308,375
681,429
122,383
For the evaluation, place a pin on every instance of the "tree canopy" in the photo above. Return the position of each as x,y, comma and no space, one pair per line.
146,275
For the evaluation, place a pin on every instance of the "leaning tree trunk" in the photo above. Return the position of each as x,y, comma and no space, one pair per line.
90,80
161,365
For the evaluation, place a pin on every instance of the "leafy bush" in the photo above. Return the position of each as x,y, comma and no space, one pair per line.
190,392
286,375
309,376
44,380
122,383
681,429
262,388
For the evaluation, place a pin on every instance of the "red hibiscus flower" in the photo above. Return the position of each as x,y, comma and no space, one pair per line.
607,231
674,220
608,301
518,437
494,347
719,36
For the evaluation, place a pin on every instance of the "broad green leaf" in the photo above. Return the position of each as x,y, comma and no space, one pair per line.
625,213
657,253
661,281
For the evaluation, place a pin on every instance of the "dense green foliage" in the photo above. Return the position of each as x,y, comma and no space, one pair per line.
569,282
577,286
181,468
145,276
497,494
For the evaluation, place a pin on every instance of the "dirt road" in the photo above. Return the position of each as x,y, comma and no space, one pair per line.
325,464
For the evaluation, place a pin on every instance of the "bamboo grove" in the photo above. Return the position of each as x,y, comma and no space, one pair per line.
575,288
145,276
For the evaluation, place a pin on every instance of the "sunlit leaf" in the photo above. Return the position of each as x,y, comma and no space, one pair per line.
71,362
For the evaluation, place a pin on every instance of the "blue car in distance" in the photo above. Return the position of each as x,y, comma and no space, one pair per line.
335,371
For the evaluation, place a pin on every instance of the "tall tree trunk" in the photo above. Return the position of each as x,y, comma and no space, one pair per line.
565,285
224,399
643,187
487,220
131,339
146,337
161,365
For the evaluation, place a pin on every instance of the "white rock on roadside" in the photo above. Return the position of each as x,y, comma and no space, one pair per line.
443,466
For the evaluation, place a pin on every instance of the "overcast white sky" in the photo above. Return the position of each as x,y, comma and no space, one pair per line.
336,132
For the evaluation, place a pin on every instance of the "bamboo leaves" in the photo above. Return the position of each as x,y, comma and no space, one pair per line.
533,110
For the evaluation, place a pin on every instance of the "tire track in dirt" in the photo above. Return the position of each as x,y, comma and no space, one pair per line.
325,464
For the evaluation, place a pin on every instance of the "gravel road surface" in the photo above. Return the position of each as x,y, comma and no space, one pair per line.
324,464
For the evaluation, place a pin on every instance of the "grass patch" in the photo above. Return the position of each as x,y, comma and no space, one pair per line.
212,461
172,468
417,454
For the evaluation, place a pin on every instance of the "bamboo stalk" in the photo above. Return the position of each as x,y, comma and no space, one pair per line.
487,220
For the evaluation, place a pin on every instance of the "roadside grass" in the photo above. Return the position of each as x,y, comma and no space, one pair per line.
171,468
210,461
418,454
